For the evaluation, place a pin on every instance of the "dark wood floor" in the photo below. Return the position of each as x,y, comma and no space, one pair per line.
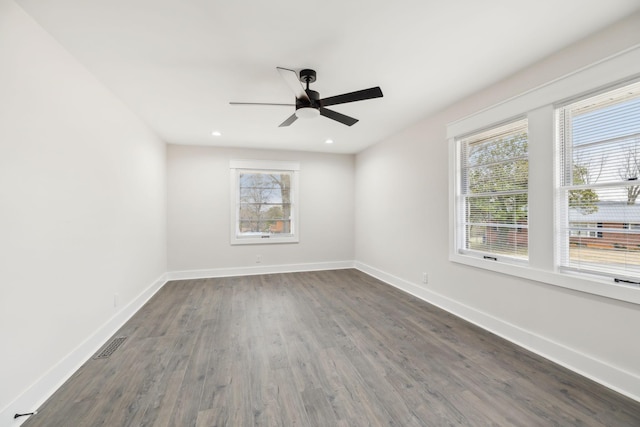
331,348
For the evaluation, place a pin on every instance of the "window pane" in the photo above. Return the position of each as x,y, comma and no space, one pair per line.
502,147
608,121
510,241
601,236
503,176
609,161
506,209
600,142
494,187
265,203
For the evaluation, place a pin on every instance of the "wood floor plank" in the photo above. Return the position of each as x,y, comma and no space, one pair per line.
325,348
351,401
317,407
185,411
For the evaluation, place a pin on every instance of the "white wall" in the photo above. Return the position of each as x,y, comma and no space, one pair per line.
409,172
199,205
82,209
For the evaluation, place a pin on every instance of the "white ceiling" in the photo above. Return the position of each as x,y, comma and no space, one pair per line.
178,63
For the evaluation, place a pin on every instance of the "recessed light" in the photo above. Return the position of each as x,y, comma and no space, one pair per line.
329,141
216,133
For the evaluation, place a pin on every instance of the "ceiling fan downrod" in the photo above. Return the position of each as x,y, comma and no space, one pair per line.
308,109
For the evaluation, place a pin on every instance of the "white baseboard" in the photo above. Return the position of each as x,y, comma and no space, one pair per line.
262,269
42,389
610,376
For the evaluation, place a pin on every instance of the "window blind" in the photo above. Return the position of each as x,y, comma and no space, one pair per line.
598,199
494,175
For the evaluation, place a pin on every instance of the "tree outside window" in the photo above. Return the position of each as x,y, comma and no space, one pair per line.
265,202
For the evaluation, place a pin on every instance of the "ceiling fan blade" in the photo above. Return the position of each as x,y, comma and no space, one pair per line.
262,103
290,120
291,79
349,121
360,95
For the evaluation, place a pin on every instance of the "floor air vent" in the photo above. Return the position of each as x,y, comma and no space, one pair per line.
110,348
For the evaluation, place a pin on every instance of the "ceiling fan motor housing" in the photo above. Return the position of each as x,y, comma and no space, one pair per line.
314,97
307,110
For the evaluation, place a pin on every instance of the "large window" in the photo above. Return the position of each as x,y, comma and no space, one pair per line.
600,183
493,202
264,202
574,219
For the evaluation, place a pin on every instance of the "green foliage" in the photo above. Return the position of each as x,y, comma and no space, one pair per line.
274,212
584,201
498,166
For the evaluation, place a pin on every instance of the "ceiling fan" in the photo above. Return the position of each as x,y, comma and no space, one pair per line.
308,103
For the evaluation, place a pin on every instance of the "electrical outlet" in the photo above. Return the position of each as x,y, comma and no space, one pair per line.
425,278
258,259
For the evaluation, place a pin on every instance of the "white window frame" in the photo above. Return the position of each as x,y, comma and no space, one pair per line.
263,166
538,105
594,101
463,195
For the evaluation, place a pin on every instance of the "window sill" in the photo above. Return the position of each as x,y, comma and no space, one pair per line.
604,287
259,240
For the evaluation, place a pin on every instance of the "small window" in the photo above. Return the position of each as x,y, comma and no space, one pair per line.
264,202
493,203
599,187
583,229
